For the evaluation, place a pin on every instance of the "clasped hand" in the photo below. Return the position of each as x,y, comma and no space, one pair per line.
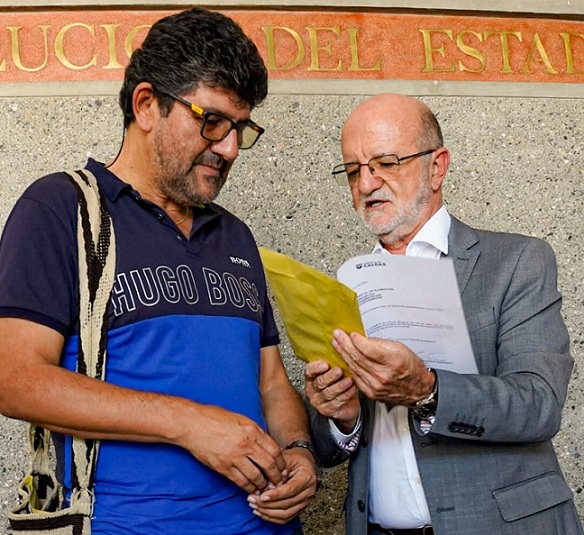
283,502
280,483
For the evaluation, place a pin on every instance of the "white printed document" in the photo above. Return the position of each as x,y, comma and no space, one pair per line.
415,301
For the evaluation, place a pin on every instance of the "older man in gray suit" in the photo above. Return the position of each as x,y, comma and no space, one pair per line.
432,451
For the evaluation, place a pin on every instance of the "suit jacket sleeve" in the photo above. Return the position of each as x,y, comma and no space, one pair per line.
520,342
327,451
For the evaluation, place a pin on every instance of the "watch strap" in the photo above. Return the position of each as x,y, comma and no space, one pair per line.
426,408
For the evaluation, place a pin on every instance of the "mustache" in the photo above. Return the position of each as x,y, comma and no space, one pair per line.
210,159
378,196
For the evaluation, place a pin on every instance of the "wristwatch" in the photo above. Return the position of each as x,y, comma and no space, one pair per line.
425,409
306,444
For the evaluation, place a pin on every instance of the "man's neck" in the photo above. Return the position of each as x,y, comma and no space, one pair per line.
395,249
132,166
397,242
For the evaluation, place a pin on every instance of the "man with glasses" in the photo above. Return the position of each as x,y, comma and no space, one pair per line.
431,451
201,431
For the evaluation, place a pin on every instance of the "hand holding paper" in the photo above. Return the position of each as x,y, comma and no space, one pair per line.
415,301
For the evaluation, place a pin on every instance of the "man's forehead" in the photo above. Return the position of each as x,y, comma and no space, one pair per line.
216,91
376,137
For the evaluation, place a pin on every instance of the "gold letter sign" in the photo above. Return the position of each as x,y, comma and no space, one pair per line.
378,45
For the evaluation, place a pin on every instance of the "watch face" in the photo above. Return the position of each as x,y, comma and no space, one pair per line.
426,408
426,412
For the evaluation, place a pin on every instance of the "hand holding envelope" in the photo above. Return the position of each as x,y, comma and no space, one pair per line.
312,306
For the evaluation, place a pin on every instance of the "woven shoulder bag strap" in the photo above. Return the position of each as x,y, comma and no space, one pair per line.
96,253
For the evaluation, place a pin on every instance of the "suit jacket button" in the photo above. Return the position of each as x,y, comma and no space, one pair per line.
480,431
454,427
361,505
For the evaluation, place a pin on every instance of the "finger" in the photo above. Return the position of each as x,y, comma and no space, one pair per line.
344,345
328,379
279,515
266,515
275,453
279,498
342,338
268,459
344,397
314,369
365,357
376,349
351,355
357,338
338,391
242,480
300,485
257,476
362,376
271,506
317,389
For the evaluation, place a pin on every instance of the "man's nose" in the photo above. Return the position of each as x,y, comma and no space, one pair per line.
367,181
227,147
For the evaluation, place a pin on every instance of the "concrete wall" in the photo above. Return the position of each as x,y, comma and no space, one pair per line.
518,165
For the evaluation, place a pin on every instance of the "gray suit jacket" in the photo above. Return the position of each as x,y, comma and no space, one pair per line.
488,465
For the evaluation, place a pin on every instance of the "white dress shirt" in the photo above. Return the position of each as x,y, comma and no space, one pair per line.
396,496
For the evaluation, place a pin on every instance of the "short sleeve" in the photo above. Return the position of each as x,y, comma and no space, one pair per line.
38,256
270,336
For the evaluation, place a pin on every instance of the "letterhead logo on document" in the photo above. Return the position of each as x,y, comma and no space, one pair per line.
377,263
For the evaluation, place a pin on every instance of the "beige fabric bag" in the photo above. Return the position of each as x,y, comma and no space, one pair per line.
41,509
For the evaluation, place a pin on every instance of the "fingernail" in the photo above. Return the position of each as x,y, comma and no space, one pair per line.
251,499
257,513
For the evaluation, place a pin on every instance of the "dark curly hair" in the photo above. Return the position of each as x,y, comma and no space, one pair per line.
193,46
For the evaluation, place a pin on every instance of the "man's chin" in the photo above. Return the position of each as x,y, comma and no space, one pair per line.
208,191
380,226
203,199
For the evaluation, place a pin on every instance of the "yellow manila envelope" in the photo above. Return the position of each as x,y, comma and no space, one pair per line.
312,306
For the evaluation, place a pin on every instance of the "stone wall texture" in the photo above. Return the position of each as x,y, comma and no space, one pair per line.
517,165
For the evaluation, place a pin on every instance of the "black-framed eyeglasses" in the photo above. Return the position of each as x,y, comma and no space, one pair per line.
380,166
216,127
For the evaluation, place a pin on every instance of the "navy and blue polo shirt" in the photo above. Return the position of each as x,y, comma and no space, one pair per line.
188,318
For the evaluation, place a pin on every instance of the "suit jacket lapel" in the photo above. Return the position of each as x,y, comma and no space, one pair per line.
464,251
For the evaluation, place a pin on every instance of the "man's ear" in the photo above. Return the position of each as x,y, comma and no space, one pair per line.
145,105
439,167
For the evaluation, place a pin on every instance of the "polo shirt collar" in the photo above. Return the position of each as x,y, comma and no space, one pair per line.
110,185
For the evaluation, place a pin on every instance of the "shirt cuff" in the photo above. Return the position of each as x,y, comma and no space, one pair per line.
348,442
